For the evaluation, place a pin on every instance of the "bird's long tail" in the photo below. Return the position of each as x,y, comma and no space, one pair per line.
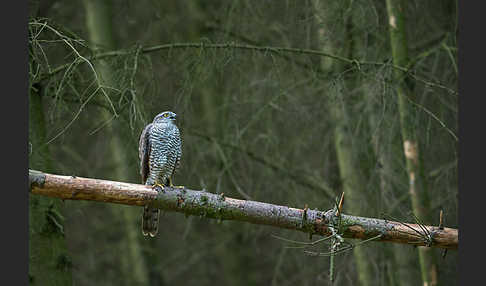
150,221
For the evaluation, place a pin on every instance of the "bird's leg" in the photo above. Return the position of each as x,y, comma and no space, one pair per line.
172,185
158,187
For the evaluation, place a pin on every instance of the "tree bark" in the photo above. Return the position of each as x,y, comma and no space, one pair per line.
417,184
49,262
339,39
100,31
217,206
398,258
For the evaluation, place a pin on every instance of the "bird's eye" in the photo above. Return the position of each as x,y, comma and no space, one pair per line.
166,115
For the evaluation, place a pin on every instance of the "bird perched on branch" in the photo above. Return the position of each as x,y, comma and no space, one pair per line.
159,150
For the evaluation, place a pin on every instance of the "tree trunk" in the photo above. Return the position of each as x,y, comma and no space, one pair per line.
338,39
132,263
398,259
49,262
408,118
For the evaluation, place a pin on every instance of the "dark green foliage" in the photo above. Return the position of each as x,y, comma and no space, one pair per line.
255,124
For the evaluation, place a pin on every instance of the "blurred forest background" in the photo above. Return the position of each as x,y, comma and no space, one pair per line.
291,128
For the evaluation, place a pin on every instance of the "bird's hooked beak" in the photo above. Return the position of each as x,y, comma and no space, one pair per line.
173,116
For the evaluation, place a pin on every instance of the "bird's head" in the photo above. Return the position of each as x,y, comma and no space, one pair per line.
165,117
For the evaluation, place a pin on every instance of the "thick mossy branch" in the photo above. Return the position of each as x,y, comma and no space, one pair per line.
217,206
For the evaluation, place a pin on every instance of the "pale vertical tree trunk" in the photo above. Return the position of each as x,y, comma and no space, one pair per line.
99,27
417,184
338,40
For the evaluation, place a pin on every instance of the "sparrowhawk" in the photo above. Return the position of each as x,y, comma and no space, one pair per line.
159,150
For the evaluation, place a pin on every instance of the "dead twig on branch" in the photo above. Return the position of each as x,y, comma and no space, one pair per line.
202,203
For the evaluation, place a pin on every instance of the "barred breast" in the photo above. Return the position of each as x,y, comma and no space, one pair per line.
165,144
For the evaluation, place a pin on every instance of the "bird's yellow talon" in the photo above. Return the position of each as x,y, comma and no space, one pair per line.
174,187
157,186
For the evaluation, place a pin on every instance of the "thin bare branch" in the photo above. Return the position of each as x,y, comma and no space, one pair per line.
265,49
